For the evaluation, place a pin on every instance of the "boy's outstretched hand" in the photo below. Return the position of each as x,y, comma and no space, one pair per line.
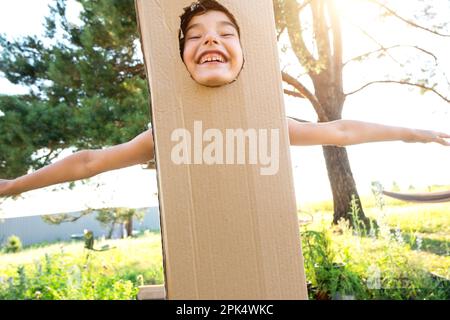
426,136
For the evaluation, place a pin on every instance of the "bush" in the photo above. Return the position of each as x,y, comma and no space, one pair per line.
347,264
328,278
56,277
13,244
70,272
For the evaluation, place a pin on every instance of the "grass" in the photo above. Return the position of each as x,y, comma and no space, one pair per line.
68,271
413,243
425,228
138,252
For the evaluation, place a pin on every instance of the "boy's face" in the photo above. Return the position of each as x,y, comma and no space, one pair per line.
212,50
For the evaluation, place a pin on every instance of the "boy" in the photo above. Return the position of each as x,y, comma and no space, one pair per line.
211,50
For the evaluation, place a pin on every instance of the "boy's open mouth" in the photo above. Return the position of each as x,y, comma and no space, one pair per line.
212,57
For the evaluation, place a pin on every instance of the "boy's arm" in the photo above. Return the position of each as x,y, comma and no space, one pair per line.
84,164
349,132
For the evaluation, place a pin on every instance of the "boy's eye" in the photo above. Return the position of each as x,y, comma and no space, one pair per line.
194,37
228,34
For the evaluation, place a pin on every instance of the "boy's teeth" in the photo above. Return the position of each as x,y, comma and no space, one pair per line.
214,58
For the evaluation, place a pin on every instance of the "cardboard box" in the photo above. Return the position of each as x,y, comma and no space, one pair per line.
228,230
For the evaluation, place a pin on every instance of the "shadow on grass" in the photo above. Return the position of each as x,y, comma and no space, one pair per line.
439,247
436,246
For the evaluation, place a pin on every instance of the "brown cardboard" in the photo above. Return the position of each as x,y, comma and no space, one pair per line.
153,292
228,232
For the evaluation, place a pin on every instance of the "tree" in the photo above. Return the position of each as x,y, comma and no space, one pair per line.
89,89
123,216
108,217
318,22
87,86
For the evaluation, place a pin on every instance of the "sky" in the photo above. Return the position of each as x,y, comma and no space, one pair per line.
419,165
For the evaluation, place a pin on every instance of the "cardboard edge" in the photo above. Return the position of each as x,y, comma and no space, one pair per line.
155,149
153,292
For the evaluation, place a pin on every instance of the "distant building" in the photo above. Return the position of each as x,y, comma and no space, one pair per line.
33,230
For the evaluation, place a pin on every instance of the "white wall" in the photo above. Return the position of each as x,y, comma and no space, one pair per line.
33,229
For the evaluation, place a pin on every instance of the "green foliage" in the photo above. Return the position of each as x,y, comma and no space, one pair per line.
13,244
357,224
53,278
339,262
109,217
384,273
87,86
72,273
57,219
327,277
398,261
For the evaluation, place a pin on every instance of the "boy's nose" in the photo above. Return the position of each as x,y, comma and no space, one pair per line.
211,38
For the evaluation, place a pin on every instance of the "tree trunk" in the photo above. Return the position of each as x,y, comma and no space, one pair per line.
324,66
111,230
129,226
343,186
331,96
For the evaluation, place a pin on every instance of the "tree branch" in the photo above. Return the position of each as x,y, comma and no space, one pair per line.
280,17
411,23
63,218
303,5
418,85
337,44
299,120
322,37
385,49
280,33
307,94
377,42
47,156
293,24
294,94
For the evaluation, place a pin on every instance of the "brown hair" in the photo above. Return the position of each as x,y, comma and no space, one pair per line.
199,8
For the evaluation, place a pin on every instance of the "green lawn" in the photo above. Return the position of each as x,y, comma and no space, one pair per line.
412,243
136,252
68,271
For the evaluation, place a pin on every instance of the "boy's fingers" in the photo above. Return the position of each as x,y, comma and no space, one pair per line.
443,141
443,135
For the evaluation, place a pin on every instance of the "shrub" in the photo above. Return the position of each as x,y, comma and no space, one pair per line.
328,278
56,277
13,244
374,267
70,272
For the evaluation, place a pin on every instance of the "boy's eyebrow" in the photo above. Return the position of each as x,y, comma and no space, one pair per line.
227,23
223,23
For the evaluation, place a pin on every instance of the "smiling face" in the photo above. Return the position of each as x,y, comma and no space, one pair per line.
212,50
